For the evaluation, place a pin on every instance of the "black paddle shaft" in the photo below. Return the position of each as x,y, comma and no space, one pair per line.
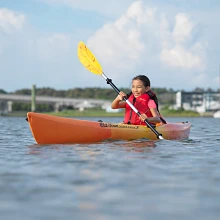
109,81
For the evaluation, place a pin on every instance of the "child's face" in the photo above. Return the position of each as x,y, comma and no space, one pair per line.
138,88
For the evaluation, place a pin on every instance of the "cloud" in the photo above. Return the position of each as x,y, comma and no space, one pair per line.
16,33
28,55
50,47
143,39
120,44
177,50
183,28
178,56
10,21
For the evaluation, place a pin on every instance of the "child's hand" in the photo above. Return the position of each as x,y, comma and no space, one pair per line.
143,117
121,95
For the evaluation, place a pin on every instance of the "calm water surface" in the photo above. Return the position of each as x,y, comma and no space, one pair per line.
112,180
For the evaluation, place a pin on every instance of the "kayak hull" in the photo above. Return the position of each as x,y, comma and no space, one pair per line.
47,129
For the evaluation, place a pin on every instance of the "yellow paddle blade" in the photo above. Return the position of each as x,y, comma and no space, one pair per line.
88,60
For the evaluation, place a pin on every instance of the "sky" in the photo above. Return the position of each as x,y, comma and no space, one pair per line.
174,42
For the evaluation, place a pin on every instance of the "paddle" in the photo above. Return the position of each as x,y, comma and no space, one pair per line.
88,60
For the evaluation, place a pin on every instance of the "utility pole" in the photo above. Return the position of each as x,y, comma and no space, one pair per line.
33,98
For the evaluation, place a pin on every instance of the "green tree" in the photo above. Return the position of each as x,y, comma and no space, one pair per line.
2,91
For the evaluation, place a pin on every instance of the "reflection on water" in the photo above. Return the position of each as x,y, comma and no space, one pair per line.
140,145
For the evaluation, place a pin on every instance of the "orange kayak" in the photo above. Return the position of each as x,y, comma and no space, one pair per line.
47,129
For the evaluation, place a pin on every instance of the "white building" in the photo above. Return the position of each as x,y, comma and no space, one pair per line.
198,101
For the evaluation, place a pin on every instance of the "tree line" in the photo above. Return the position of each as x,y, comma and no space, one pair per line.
165,96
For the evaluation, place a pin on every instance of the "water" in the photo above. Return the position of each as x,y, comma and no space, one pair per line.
112,180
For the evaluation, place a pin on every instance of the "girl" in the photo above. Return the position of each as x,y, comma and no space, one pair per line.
143,99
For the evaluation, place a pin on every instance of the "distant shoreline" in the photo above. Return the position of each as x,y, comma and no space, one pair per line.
92,113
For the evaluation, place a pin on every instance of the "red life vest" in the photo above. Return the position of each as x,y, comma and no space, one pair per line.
140,103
